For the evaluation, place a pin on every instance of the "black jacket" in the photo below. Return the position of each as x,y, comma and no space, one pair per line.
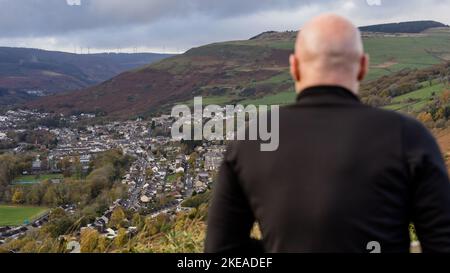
345,174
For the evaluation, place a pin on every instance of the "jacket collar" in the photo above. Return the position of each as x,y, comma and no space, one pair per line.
327,93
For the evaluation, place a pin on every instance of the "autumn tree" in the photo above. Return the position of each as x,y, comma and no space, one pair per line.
50,197
57,213
149,173
440,114
192,159
18,196
425,117
34,195
137,221
66,166
117,218
77,168
445,97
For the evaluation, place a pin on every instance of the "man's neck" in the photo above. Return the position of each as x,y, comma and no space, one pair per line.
353,87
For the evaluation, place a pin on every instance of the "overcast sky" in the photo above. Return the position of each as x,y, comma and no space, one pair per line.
177,25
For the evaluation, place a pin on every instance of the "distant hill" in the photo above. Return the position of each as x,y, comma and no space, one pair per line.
251,71
26,73
275,35
404,27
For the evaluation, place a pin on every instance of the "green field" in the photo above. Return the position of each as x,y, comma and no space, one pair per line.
388,54
34,179
17,215
416,100
405,52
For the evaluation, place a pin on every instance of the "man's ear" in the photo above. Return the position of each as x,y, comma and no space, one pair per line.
294,67
363,67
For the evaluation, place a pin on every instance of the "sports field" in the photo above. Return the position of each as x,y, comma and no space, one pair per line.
34,179
17,215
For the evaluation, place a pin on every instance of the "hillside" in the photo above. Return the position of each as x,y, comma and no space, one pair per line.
250,71
443,138
26,73
404,27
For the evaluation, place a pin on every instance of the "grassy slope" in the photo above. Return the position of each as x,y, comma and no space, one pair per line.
388,55
406,52
416,100
444,142
16,215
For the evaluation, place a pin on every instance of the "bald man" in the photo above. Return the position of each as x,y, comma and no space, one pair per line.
346,177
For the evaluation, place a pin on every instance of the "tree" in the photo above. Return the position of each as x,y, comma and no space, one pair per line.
192,158
34,196
440,114
445,97
57,213
179,176
150,227
149,173
66,166
18,197
78,168
60,226
13,165
117,218
425,117
50,197
196,200
100,179
137,221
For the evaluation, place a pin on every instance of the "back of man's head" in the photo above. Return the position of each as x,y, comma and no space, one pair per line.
329,51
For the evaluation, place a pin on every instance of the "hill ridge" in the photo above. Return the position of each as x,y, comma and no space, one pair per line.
395,27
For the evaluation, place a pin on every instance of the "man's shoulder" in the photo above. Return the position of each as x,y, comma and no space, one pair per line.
373,115
408,123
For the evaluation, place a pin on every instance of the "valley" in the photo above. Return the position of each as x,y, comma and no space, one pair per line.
27,74
249,71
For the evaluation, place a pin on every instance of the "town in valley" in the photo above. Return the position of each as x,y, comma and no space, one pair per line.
162,173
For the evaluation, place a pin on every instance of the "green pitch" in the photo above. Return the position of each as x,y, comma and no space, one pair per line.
17,215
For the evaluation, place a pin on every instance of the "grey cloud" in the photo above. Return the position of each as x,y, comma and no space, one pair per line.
44,17
181,24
